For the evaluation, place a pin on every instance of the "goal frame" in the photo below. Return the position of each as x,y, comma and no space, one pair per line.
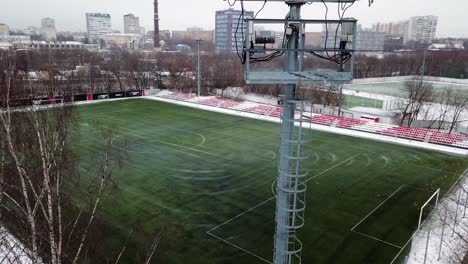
436,196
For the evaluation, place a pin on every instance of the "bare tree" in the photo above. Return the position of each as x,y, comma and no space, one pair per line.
454,230
38,171
323,95
226,72
418,93
459,104
437,112
178,68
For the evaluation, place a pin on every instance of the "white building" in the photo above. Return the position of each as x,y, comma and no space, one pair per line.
370,41
98,25
399,28
31,30
4,29
129,41
48,31
15,38
47,22
131,24
421,29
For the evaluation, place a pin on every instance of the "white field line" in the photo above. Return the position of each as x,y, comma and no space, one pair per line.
346,132
430,168
262,203
241,214
242,249
371,237
378,239
271,198
163,142
166,129
432,214
375,209
331,168
168,143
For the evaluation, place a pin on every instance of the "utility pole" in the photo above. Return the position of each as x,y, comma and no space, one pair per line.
199,67
340,102
285,193
423,70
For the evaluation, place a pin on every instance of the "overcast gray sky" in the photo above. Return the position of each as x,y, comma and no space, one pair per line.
180,14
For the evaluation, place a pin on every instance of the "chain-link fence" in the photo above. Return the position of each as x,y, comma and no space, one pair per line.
441,237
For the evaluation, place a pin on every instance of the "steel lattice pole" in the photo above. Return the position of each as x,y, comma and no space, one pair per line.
283,220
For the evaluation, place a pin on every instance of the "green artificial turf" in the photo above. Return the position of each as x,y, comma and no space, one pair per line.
351,101
190,171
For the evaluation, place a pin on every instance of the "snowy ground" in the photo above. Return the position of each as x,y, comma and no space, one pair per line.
443,232
11,250
329,129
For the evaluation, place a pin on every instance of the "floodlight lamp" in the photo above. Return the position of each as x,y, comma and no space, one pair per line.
348,29
265,37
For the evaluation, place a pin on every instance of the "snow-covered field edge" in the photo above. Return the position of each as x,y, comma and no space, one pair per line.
443,238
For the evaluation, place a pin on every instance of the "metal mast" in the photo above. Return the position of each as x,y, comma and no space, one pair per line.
287,246
291,182
156,25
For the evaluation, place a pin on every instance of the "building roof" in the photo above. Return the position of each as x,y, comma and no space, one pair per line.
445,46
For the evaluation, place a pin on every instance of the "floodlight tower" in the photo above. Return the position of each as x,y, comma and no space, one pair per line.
292,178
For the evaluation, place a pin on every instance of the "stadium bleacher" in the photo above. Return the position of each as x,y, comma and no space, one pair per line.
220,103
417,134
260,109
179,96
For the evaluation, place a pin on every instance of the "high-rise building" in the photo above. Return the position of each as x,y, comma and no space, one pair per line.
395,29
421,29
227,23
47,22
98,26
142,31
131,24
369,40
4,29
193,33
48,30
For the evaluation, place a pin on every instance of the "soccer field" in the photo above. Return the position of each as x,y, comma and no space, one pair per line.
396,88
206,178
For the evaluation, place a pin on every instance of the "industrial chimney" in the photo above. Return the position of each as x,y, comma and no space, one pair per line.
156,24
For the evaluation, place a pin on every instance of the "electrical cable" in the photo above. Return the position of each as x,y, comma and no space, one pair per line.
337,57
241,57
258,12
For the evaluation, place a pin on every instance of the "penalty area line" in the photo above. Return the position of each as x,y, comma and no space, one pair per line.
271,198
377,239
242,249
375,209
331,168
367,216
260,204
239,215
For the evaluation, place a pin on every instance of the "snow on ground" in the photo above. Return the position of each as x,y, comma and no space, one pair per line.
11,250
334,130
370,95
451,246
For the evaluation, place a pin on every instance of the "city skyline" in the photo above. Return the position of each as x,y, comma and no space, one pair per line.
75,20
